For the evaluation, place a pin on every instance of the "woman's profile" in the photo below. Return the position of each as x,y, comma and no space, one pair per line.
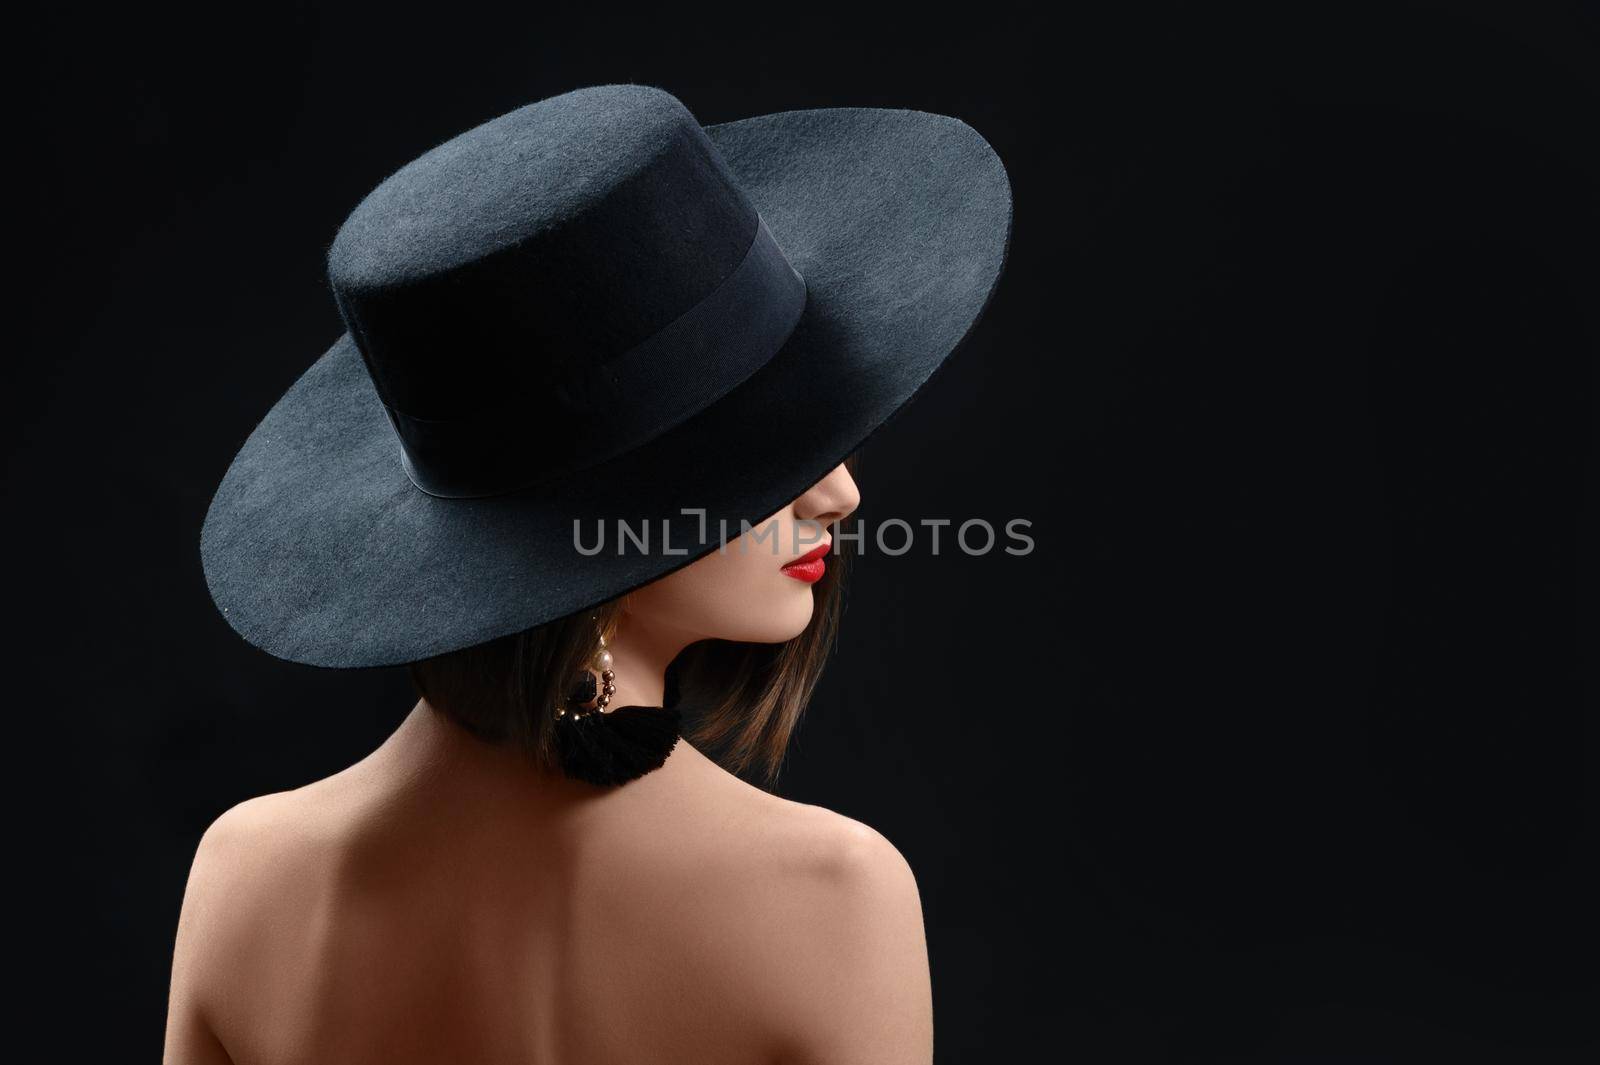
579,463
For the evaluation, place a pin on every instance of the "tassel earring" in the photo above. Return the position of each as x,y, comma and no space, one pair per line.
607,747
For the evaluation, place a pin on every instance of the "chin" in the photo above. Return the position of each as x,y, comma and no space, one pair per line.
778,622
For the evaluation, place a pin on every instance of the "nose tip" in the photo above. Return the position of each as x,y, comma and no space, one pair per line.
831,499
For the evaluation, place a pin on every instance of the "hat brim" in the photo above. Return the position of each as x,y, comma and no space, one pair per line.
318,549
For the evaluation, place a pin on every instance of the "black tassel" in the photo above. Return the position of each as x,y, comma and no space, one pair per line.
618,746
611,748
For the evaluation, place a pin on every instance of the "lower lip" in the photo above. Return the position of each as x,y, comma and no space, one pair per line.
809,572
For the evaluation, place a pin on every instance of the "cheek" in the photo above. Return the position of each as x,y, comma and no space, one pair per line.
731,595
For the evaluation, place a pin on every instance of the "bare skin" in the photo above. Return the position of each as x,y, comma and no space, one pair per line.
442,900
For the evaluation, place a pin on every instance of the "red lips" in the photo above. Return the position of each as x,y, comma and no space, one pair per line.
810,566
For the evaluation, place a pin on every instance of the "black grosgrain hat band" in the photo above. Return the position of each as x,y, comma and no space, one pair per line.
631,399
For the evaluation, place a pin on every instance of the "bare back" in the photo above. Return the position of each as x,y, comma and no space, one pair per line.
440,902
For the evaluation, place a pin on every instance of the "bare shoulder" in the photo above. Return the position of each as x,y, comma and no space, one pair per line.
242,829
846,863
258,841
242,872
794,853
261,859
226,850
829,916
251,860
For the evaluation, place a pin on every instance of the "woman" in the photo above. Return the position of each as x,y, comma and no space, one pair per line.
587,342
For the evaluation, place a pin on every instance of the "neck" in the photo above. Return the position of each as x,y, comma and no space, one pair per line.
428,753
640,656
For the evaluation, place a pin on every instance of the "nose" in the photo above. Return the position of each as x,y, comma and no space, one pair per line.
831,499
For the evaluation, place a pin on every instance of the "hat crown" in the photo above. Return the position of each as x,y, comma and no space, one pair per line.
534,248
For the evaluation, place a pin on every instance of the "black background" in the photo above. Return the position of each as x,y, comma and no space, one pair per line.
1279,748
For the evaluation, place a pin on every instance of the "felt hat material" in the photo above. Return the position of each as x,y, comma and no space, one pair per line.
591,310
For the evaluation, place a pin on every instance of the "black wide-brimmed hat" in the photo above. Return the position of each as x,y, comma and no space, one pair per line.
589,310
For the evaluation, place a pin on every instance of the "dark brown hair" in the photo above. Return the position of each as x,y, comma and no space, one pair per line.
743,700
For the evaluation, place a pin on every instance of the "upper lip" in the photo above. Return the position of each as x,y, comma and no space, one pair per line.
811,555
